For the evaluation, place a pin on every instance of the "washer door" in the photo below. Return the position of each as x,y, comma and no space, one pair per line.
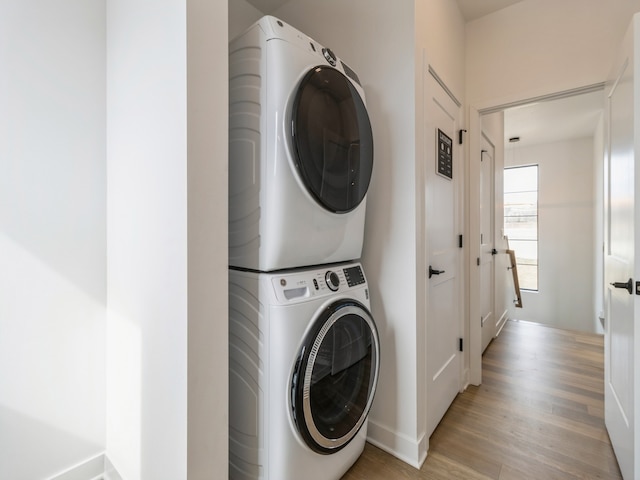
335,376
332,139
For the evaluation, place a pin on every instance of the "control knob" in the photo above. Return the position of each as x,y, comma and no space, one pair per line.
333,281
330,56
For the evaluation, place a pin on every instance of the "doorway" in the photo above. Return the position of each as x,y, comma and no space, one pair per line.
559,142
561,134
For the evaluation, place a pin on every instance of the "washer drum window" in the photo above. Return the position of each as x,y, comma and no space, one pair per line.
335,376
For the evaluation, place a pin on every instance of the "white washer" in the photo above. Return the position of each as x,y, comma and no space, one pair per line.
303,369
300,152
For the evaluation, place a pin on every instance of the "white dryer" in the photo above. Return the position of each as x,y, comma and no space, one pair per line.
300,152
303,368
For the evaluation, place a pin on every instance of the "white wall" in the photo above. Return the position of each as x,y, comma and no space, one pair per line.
566,226
207,148
440,30
537,47
241,16
52,235
167,262
147,238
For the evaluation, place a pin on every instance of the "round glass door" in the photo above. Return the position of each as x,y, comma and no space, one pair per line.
335,377
332,140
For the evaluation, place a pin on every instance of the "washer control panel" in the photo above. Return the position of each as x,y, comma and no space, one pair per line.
293,286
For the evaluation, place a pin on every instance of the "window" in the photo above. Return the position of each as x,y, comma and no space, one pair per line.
521,221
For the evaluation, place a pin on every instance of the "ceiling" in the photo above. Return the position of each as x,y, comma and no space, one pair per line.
471,9
267,6
554,120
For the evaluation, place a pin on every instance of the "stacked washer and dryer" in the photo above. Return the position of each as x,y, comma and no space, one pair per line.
303,346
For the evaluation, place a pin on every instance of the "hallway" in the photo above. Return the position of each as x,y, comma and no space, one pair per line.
539,414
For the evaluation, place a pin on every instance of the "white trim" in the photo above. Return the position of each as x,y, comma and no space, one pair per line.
501,323
437,78
472,224
95,468
409,450
498,105
110,472
465,380
91,469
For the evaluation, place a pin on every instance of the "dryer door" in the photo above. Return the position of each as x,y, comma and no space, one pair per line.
332,139
335,376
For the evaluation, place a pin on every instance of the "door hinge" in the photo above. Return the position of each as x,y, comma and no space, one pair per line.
478,261
460,345
637,288
459,241
460,133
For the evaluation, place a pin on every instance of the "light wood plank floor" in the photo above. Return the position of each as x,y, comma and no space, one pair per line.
539,414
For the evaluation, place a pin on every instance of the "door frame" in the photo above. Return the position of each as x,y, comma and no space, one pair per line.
475,112
493,215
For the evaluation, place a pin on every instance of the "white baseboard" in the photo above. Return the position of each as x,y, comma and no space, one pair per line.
110,472
96,468
410,451
91,469
501,322
465,380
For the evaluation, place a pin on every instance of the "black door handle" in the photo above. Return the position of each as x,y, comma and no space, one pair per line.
433,272
628,286
494,251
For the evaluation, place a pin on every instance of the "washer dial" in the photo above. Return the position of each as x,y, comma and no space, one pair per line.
332,279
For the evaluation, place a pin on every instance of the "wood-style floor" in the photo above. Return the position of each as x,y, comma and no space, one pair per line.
539,414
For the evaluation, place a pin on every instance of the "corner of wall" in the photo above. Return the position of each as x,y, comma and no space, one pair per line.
110,472
91,469
409,450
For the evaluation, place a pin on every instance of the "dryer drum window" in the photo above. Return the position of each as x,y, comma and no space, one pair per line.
335,377
332,139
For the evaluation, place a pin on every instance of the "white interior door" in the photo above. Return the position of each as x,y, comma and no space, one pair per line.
621,243
443,175
487,242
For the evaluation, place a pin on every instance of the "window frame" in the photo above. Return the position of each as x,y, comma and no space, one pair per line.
519,261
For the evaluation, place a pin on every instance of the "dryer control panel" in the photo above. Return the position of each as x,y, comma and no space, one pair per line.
292,286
